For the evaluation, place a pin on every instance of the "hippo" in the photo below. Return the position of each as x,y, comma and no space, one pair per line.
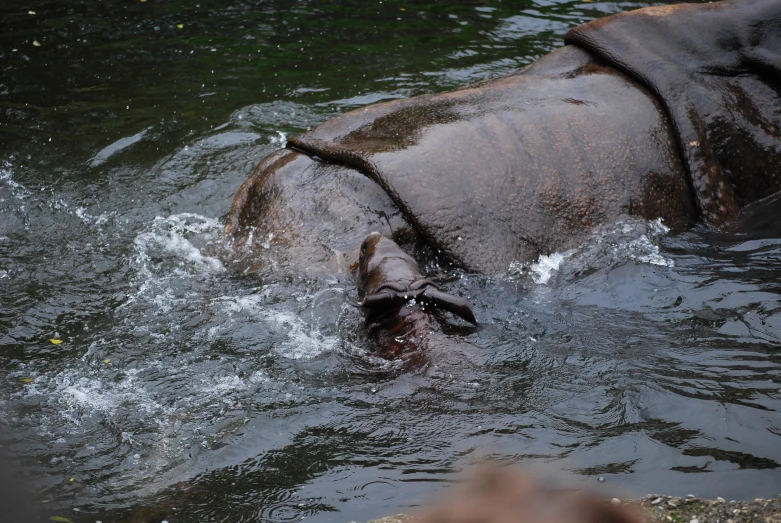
670,113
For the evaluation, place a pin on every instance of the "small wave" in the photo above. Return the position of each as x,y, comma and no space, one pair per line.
168,259
543,270
50,199
304,342
16,190
76,397
301,340
110,150
628,239
173,235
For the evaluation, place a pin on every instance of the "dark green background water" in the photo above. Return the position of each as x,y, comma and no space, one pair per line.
186,389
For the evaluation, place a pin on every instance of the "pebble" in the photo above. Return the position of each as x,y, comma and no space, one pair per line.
672,504
758,500
601,479
656,501
690,496
719,500
694,520
615,501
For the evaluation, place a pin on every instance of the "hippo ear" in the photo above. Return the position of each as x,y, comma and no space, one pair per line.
455,304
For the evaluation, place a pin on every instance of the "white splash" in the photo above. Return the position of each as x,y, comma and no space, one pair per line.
278,140
303,342
542,271
626,239
171,236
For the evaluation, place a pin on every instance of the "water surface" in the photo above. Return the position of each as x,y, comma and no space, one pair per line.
188,388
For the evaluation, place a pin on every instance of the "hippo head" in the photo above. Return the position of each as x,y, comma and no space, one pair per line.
388,278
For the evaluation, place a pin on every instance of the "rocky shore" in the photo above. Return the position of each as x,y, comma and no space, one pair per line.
671,509
695,510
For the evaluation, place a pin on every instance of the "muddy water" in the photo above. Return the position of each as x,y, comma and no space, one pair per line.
189,388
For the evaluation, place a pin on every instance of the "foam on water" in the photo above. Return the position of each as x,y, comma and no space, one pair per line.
300,340
303,342
154,388
17,190
166,251
171,235
628,239
542,271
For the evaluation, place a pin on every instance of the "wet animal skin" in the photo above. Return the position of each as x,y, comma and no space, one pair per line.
668,113
665,112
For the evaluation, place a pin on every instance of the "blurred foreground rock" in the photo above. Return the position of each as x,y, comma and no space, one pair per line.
502,495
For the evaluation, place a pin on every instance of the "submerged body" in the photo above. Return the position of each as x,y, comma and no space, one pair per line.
665,113
487,176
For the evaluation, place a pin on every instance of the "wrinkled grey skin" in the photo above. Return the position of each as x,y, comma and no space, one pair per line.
524,174
666,112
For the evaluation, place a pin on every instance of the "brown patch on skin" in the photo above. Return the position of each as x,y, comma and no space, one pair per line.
663,10
593,67
654,11
401,129
663,197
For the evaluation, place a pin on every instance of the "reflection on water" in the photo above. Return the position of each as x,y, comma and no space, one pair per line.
189,387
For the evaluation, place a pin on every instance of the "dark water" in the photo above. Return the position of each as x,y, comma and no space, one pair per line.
188,389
